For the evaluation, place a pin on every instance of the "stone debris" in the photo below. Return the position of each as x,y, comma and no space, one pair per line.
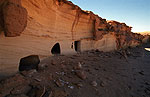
71,87
59,83
60,73
94,83
81,74
37,79
29,73
78,67
102,84
53,81
53,62
141,72
79,85
42,66
16,85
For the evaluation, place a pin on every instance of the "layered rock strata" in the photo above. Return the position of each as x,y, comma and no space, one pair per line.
42,27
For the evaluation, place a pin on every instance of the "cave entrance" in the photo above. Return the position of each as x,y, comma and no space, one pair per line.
77,45
56,49
29,63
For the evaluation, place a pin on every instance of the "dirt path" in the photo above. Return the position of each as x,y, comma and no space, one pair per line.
89,74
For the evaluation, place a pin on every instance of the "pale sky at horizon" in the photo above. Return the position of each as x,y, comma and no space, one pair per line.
135,13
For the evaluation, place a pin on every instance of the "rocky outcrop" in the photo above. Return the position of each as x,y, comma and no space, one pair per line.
123,34
101,27
13,17
119,27
125,38
48,17
146,39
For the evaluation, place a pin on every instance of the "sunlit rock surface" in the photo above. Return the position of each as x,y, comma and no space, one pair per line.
36,26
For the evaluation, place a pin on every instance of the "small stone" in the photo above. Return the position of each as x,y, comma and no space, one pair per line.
53,62
37,79
78,67
42,66
59,83
79,85
102,84
141,72
94,83
81,74
62,66
32,71
71,87
29,73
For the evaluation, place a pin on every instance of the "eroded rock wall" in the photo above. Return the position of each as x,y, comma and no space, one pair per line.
125,37
58,20
40,24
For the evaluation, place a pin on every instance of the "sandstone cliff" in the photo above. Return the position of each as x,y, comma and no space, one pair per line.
39,26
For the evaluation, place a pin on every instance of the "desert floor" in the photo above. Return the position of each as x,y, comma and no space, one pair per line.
124,73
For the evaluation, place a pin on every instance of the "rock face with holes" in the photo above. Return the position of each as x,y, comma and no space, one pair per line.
42,24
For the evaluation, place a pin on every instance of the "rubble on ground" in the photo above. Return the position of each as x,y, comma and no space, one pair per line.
73,75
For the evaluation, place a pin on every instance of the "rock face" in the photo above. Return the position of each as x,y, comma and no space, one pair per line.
124,36
13,18
101,27
42,24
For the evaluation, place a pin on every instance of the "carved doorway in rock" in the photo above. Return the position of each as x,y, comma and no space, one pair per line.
77,46
56,49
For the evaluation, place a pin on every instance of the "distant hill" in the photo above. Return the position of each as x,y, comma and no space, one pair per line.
144,33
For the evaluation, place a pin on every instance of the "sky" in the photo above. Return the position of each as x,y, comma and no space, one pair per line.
135,13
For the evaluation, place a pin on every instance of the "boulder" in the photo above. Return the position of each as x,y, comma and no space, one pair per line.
29,63
14,18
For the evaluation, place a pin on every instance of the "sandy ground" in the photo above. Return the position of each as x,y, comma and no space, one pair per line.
124,73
